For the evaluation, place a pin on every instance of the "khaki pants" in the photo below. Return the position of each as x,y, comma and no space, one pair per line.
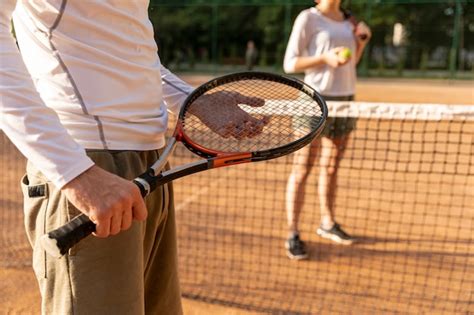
134,272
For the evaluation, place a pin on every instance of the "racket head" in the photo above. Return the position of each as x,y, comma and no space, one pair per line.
292,111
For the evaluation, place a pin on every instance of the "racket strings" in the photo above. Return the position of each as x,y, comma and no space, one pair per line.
281,114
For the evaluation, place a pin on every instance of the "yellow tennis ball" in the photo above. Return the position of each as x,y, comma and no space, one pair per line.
346,53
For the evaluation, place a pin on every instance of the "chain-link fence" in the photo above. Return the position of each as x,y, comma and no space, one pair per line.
411,38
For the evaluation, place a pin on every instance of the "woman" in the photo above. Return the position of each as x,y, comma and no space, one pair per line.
326,44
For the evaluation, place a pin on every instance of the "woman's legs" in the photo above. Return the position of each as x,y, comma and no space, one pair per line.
332,152
303,162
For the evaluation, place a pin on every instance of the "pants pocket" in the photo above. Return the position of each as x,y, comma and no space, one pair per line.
35,201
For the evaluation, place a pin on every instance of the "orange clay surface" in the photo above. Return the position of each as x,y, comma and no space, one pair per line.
331,273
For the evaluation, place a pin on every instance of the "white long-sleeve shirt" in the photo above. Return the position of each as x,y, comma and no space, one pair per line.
88,77
314,34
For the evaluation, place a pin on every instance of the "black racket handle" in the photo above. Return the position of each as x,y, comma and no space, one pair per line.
58,242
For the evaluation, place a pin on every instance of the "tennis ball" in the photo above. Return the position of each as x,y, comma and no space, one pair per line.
345,53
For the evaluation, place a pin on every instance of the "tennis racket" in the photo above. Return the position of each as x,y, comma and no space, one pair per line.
349,16
254,116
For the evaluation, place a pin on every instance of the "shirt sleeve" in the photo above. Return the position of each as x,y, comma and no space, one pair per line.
297,43
33,128
175,90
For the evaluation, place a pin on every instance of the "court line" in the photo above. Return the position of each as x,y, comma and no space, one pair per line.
198,193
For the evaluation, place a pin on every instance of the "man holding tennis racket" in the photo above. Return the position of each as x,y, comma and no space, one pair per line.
86,102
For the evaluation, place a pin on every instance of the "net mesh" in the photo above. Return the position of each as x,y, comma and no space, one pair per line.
404,190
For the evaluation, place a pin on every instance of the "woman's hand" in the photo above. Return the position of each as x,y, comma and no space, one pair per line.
334,58
362,33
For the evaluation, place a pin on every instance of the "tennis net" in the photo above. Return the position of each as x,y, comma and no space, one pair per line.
404,190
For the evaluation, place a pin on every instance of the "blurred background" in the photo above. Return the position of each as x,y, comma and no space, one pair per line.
411,38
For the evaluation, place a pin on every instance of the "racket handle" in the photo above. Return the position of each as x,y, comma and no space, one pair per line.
146,182
58,242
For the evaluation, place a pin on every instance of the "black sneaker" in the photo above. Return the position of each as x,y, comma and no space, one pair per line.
295,248
336,234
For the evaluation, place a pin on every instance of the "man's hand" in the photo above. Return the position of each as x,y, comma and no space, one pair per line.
221,113
109,201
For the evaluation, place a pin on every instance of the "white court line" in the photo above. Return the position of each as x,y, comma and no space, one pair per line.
198,193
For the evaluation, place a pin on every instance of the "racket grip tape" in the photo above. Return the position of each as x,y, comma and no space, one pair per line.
58,242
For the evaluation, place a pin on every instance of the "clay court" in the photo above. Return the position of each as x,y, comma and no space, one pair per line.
414,224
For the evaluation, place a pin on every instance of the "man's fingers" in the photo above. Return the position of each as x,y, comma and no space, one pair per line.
257,125
127,218
244,128
256,130
233,121
225,131
240,131
121,221
138,207
112,207
249,100
116,224
102,228
265,120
